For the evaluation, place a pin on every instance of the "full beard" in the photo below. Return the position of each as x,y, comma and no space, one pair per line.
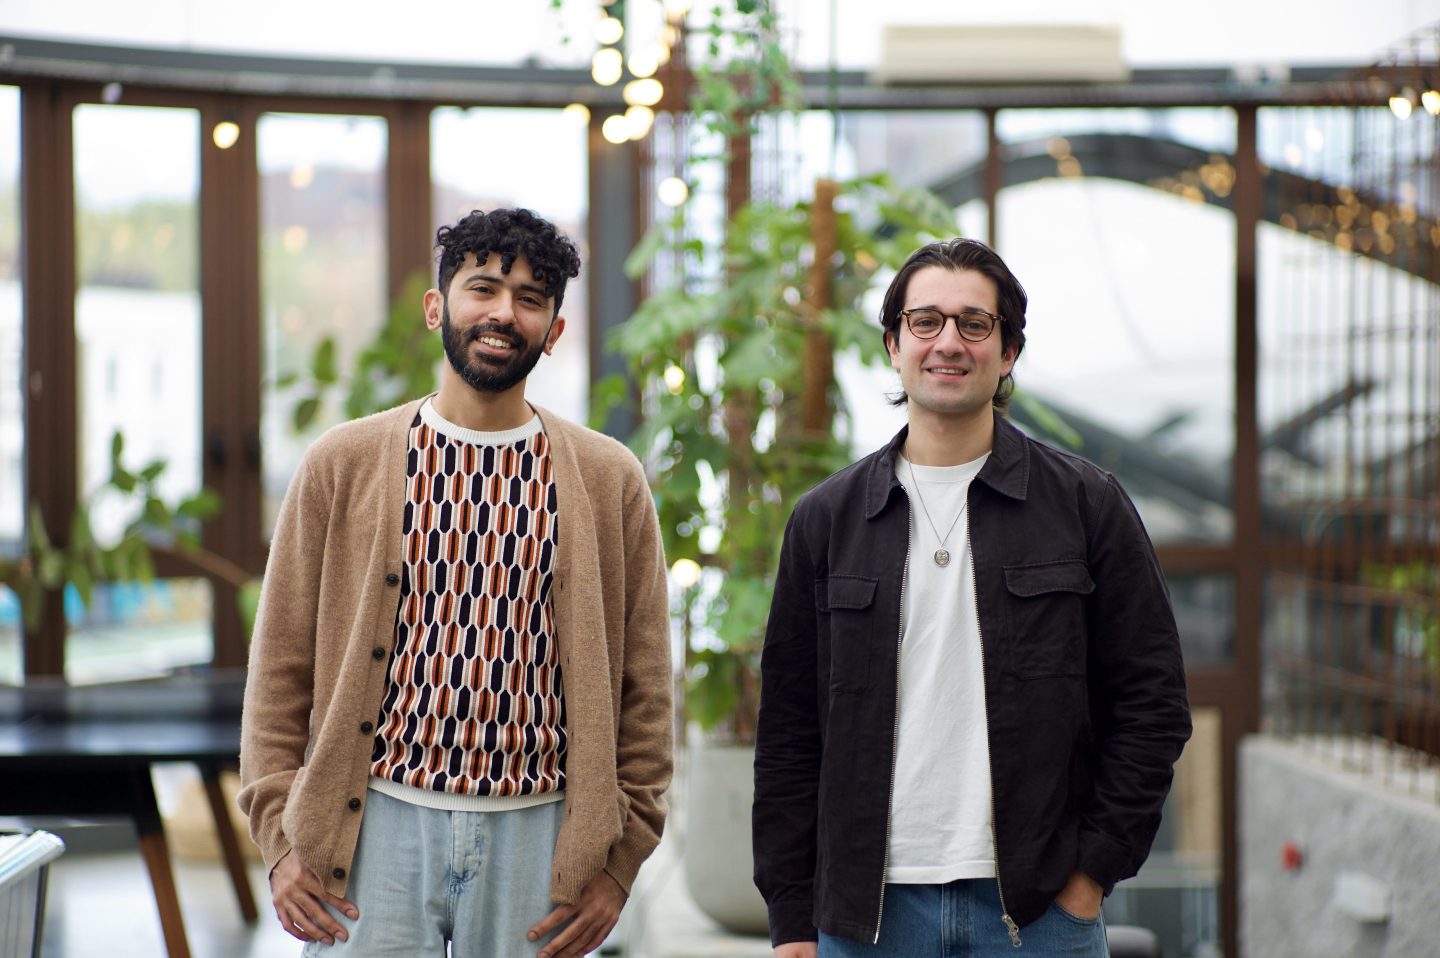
488,374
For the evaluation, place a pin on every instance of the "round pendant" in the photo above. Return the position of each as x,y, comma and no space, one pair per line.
942,557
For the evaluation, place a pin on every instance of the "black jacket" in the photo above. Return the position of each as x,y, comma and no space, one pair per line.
1084,686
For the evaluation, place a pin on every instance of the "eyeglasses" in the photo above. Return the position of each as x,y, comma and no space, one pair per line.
973,325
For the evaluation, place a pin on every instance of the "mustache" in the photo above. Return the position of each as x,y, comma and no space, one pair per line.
494,330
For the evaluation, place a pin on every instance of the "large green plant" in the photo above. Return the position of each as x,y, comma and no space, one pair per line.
82,560
725,429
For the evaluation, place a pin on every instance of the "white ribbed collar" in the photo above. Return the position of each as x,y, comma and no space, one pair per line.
505,437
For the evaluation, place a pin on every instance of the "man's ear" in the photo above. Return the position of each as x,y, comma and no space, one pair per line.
434,309
557,326
892,346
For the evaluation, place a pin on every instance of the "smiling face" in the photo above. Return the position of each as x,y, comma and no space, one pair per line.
494,324
948,378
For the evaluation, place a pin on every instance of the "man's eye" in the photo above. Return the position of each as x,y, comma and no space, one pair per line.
976,325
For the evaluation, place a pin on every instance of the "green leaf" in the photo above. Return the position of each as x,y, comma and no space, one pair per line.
202,505
122,480
305,412
38,536
247,602
322,363
156,512
50,568
117,446
80,576
31,595
152,472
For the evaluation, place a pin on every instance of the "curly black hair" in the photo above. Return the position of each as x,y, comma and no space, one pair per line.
510,233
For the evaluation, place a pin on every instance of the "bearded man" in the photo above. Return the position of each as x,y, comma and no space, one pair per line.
457,725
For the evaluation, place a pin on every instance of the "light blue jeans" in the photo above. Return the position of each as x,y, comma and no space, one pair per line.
961,919
423,877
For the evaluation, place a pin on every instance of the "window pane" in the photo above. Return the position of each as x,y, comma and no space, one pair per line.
137,327
134,630
479,160
1112,220
1176,893
1204,604
939,151
12,419
323,269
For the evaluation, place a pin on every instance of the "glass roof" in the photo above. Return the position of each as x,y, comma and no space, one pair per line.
538,32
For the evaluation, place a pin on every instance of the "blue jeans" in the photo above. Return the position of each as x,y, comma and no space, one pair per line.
423,877
962,920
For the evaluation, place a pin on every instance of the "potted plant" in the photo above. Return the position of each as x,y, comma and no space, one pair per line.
741,414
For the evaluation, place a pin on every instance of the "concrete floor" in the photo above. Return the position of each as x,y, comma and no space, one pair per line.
100,905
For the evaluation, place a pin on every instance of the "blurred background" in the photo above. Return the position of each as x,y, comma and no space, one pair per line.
216,225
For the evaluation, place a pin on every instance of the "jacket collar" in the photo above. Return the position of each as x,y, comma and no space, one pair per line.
1007,471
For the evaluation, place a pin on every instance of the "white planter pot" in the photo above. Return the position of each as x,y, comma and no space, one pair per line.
719,868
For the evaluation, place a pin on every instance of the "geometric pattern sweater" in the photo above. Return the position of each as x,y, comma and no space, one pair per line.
474,712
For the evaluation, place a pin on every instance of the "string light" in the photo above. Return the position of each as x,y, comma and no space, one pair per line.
607,66
672,191
615,129
225,134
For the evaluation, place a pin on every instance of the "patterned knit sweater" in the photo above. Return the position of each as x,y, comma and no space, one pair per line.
473,716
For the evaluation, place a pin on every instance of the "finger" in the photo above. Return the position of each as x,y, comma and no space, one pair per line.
344,906
294,923
550,922
564,942
597,939
316,919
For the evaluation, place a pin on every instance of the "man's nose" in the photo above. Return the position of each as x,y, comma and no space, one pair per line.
502,308
950,340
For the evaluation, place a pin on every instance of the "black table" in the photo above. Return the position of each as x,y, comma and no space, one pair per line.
88,750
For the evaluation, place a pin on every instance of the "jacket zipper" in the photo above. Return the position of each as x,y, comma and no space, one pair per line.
895,735
1010,925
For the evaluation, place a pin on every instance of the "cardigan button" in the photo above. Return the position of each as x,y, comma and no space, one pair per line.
392,579
338,873
354,804
377,653
367,727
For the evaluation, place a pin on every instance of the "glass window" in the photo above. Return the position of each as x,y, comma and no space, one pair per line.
1113,220
137,327
12,419
1204,604
323,270
1176,893
479,160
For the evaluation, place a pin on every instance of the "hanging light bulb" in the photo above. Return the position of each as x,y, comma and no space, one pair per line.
608,30
579,113
643,92
672,191
644,62
225,134
638,120
1430,100
607,66
1403,103
615,129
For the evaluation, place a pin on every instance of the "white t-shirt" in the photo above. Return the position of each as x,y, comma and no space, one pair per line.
940,822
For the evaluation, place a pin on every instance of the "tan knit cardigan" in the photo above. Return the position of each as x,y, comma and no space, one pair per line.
326,628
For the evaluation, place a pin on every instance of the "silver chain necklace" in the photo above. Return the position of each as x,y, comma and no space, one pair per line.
942,555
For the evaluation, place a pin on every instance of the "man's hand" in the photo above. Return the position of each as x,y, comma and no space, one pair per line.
589,919
1081,896
797,949
300,899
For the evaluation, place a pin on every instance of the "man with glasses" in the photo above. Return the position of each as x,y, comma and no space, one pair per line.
972,694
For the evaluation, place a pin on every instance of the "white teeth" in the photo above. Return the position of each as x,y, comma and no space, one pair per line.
492,341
